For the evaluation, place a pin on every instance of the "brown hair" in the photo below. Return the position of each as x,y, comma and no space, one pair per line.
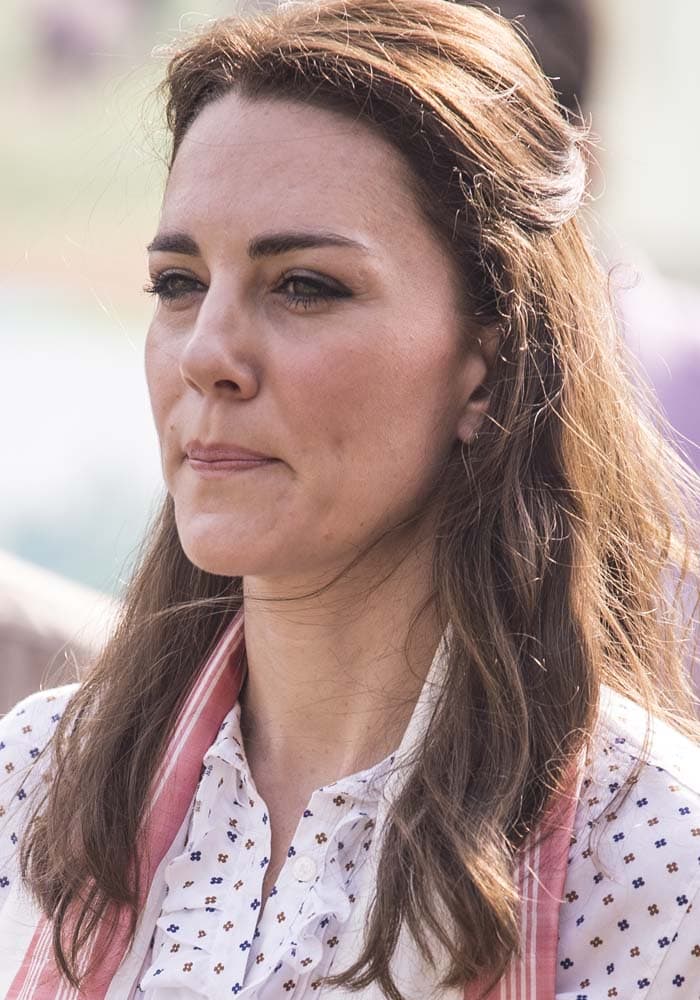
562,527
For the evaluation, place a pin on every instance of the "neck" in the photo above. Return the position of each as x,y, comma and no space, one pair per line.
333,677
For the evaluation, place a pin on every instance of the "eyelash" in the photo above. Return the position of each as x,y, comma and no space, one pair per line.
165,286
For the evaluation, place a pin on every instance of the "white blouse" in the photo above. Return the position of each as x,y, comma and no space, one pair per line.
626,928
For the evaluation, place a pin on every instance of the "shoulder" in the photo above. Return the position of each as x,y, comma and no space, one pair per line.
24,732
634,864
26,729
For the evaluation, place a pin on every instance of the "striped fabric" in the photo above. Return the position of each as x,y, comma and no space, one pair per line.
542,868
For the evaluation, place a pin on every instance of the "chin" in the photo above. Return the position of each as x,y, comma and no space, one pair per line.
215,555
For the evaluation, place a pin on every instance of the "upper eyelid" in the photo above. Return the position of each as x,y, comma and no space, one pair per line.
301,274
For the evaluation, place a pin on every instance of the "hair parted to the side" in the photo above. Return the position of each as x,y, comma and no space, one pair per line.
564,549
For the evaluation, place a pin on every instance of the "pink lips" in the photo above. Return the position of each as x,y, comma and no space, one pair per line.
210,459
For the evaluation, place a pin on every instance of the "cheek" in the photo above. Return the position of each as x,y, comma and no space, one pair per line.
383,404
161,377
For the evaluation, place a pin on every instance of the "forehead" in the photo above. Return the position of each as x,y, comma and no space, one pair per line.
276,163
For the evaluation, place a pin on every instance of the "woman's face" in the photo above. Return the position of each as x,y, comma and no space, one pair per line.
306,313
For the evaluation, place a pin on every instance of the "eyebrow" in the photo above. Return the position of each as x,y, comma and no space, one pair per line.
267,245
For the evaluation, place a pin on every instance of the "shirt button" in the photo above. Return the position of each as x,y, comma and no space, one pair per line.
304,869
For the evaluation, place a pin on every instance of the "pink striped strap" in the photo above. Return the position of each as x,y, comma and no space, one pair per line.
214,693
541,873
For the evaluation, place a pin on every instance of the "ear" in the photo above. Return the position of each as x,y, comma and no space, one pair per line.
473,413
477,397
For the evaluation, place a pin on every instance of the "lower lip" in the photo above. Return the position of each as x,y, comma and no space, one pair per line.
218,470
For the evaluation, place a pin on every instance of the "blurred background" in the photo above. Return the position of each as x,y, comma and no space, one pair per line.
82,150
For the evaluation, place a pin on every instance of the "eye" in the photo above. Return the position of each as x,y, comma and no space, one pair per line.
172,285
303,291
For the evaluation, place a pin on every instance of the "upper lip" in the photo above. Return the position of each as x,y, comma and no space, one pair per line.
216,452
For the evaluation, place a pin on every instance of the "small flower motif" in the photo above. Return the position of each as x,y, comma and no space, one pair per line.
209,900
244,945
332,942
215,880
175,947
653,910
223,858
289,985
638,882
260,958
672,867
339,800
629,858
623,925
228,925
321,838
173,928
249,843
187,967
201,933
281,917
566,963
306,961
218,968
597,941
186,885
663,942
196,856
571,897
237,885
682,900
255,904
678,980
634,952
607,900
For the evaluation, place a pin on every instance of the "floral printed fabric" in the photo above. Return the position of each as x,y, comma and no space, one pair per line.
214,938
627,925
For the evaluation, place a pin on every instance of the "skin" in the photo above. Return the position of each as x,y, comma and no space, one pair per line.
358,394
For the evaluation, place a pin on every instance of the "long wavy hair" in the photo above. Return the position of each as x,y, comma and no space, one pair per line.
564,553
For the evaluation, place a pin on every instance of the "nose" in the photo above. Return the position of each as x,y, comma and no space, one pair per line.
218,355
